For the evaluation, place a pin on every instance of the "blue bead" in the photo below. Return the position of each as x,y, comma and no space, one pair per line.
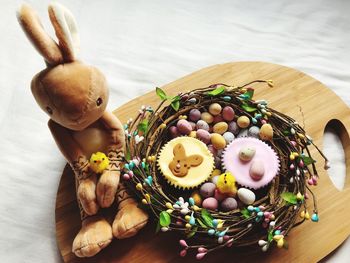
127,166
227,98
215,222
192,221
211,232
191,201
314,218
277,232
254,121
260,214
251,208
257,209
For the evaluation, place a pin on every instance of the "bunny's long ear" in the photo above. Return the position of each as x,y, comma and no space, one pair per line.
66,30
179,151
45,45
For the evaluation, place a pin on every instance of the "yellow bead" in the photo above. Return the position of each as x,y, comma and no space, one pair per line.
139,186
307,215
196,208
301,136
216,172
278,237
220,223
144,201
169,205
299,196
187,218
182,117
272,217
302,214
268,113
169,211
243,90
148,198
280,243
162,126
291,157
270,83
295,154
188,226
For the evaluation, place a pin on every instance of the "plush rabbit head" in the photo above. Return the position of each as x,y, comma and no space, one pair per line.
181,163
73,94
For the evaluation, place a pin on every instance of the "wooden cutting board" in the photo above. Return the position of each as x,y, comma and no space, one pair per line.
305,99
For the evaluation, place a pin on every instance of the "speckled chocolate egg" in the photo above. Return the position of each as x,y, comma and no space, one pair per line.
218,141
215,109
246,153
184,127
197,198
210,203
174,132
243,122
207,190
207,117
203,135
242,133
229,137
246,196
218,118
220,127
228,204
228,113
257,170
219,196
266,132
254,132
194,115
212,149
233,127
202,125
193,125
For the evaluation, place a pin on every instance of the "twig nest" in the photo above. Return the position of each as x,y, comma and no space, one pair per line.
243,122
215,109
218,141
266,132
246,196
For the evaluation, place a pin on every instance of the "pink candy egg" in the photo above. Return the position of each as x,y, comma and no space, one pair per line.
203,135
184,127
228,113
210,203
194,115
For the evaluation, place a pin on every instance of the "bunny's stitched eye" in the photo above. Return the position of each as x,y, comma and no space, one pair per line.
49,110
99,101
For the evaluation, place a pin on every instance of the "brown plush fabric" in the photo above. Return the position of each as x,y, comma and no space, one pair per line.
44,44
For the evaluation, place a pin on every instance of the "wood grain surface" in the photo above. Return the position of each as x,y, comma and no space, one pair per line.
305,99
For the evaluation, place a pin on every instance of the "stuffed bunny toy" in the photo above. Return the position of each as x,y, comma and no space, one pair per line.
75,95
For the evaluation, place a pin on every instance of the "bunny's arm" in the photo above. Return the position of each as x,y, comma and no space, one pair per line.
70,150
109,180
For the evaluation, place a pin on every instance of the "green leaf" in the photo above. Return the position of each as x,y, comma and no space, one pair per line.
161,93
175,105
200,222
176,98
164,218
290,197
249,93
245,213
143,126
248,108
270,236
192,233
286,132
307,160
217,91
207,217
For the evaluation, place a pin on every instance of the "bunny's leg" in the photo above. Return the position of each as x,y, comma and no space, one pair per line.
96,232
130,218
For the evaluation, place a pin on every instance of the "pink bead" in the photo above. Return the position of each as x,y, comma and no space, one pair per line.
261,207
199,256
126,176
293,143
202,250
292,167
183,252
226,237
263,122
310,182
306,195
183,243
229,243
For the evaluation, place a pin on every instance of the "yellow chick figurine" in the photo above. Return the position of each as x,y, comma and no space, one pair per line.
226,184
98,162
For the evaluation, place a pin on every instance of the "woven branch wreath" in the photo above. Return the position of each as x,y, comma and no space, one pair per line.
221,168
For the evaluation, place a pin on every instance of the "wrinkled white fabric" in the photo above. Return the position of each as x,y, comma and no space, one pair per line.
140,45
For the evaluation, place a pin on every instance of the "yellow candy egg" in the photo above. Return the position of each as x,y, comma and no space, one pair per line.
243,122
197,198
220,127
207,117
215,109
266,132
218,141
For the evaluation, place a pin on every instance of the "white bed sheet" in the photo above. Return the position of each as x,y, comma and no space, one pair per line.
140,45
